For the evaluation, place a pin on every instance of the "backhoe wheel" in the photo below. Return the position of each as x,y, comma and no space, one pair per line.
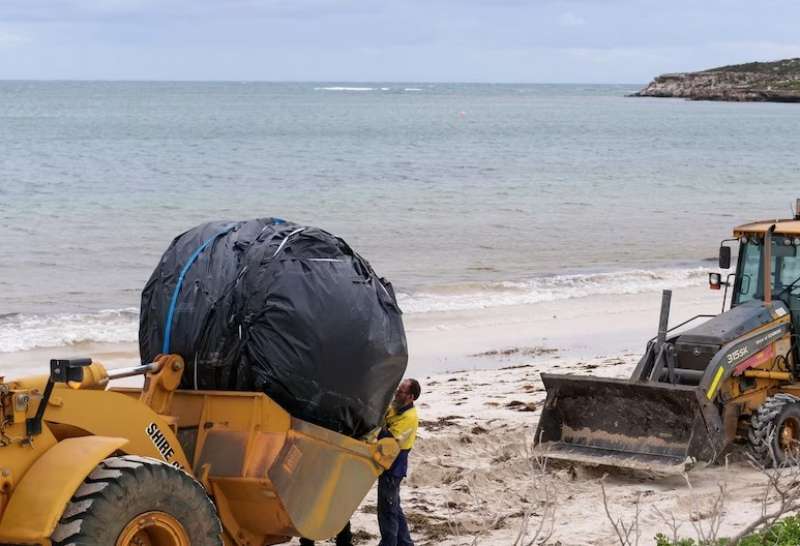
136,501
775,431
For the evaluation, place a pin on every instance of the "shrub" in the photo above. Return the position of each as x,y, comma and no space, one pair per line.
786,532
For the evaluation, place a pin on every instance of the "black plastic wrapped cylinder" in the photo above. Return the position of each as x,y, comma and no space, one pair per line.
281,308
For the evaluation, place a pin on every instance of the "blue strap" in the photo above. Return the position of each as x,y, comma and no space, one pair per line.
174,301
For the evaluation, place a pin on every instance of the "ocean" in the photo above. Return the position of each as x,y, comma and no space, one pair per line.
465,196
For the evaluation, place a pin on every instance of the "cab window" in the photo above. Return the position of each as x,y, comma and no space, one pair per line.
785,268
748,282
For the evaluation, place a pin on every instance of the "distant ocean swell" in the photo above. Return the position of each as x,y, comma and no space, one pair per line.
19,332
340,88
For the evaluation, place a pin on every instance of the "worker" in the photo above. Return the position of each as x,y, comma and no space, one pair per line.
401,423
344,538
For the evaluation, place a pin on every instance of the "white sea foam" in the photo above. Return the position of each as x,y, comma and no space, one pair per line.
412,89
344,88
544,289
22,332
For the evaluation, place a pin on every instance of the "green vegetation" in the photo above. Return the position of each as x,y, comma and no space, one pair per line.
777,68
793,85
784,533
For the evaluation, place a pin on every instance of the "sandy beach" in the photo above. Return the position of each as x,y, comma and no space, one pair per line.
472,481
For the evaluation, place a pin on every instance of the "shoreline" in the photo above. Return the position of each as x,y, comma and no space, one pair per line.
591,327
441,341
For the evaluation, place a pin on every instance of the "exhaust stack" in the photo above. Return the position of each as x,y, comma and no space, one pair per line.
768,264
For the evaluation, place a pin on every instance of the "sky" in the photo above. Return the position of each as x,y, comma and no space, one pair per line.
521,41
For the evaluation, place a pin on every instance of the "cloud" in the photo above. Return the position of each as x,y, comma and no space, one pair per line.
120,11
455,40
10,38
764,49
569,19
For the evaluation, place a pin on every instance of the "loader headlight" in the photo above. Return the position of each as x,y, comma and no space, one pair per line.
796,241
744,239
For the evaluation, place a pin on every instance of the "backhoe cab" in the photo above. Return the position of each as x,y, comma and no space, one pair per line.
697,389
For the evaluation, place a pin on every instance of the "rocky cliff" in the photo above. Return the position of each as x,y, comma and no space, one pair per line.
777,81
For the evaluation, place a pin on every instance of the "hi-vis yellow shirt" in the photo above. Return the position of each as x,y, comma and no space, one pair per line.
403,426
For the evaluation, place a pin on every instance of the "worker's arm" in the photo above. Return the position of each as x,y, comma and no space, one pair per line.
403,427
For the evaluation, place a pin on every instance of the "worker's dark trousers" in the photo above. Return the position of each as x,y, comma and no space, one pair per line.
391,520
344,538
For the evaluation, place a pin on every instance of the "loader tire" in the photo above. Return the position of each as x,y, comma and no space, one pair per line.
129,500
774,433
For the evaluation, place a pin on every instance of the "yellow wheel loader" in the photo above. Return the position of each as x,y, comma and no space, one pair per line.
82,464
699,387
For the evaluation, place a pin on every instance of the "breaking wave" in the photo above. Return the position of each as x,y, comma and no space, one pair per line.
465,296
20,332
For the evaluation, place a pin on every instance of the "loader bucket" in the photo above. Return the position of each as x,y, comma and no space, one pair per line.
616,422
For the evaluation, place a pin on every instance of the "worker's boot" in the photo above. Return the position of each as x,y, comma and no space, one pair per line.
345,536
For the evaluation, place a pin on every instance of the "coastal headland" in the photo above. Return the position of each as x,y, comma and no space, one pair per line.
777,81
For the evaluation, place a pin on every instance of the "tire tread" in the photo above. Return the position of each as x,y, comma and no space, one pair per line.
762,428
108,484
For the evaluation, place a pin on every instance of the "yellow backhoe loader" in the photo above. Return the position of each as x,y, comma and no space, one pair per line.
87,465
697,390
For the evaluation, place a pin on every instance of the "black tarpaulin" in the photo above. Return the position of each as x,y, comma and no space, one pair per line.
286,309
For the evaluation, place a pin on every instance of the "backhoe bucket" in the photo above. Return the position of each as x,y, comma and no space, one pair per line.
616,422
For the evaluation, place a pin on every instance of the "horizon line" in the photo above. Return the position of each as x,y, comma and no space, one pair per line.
245,81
